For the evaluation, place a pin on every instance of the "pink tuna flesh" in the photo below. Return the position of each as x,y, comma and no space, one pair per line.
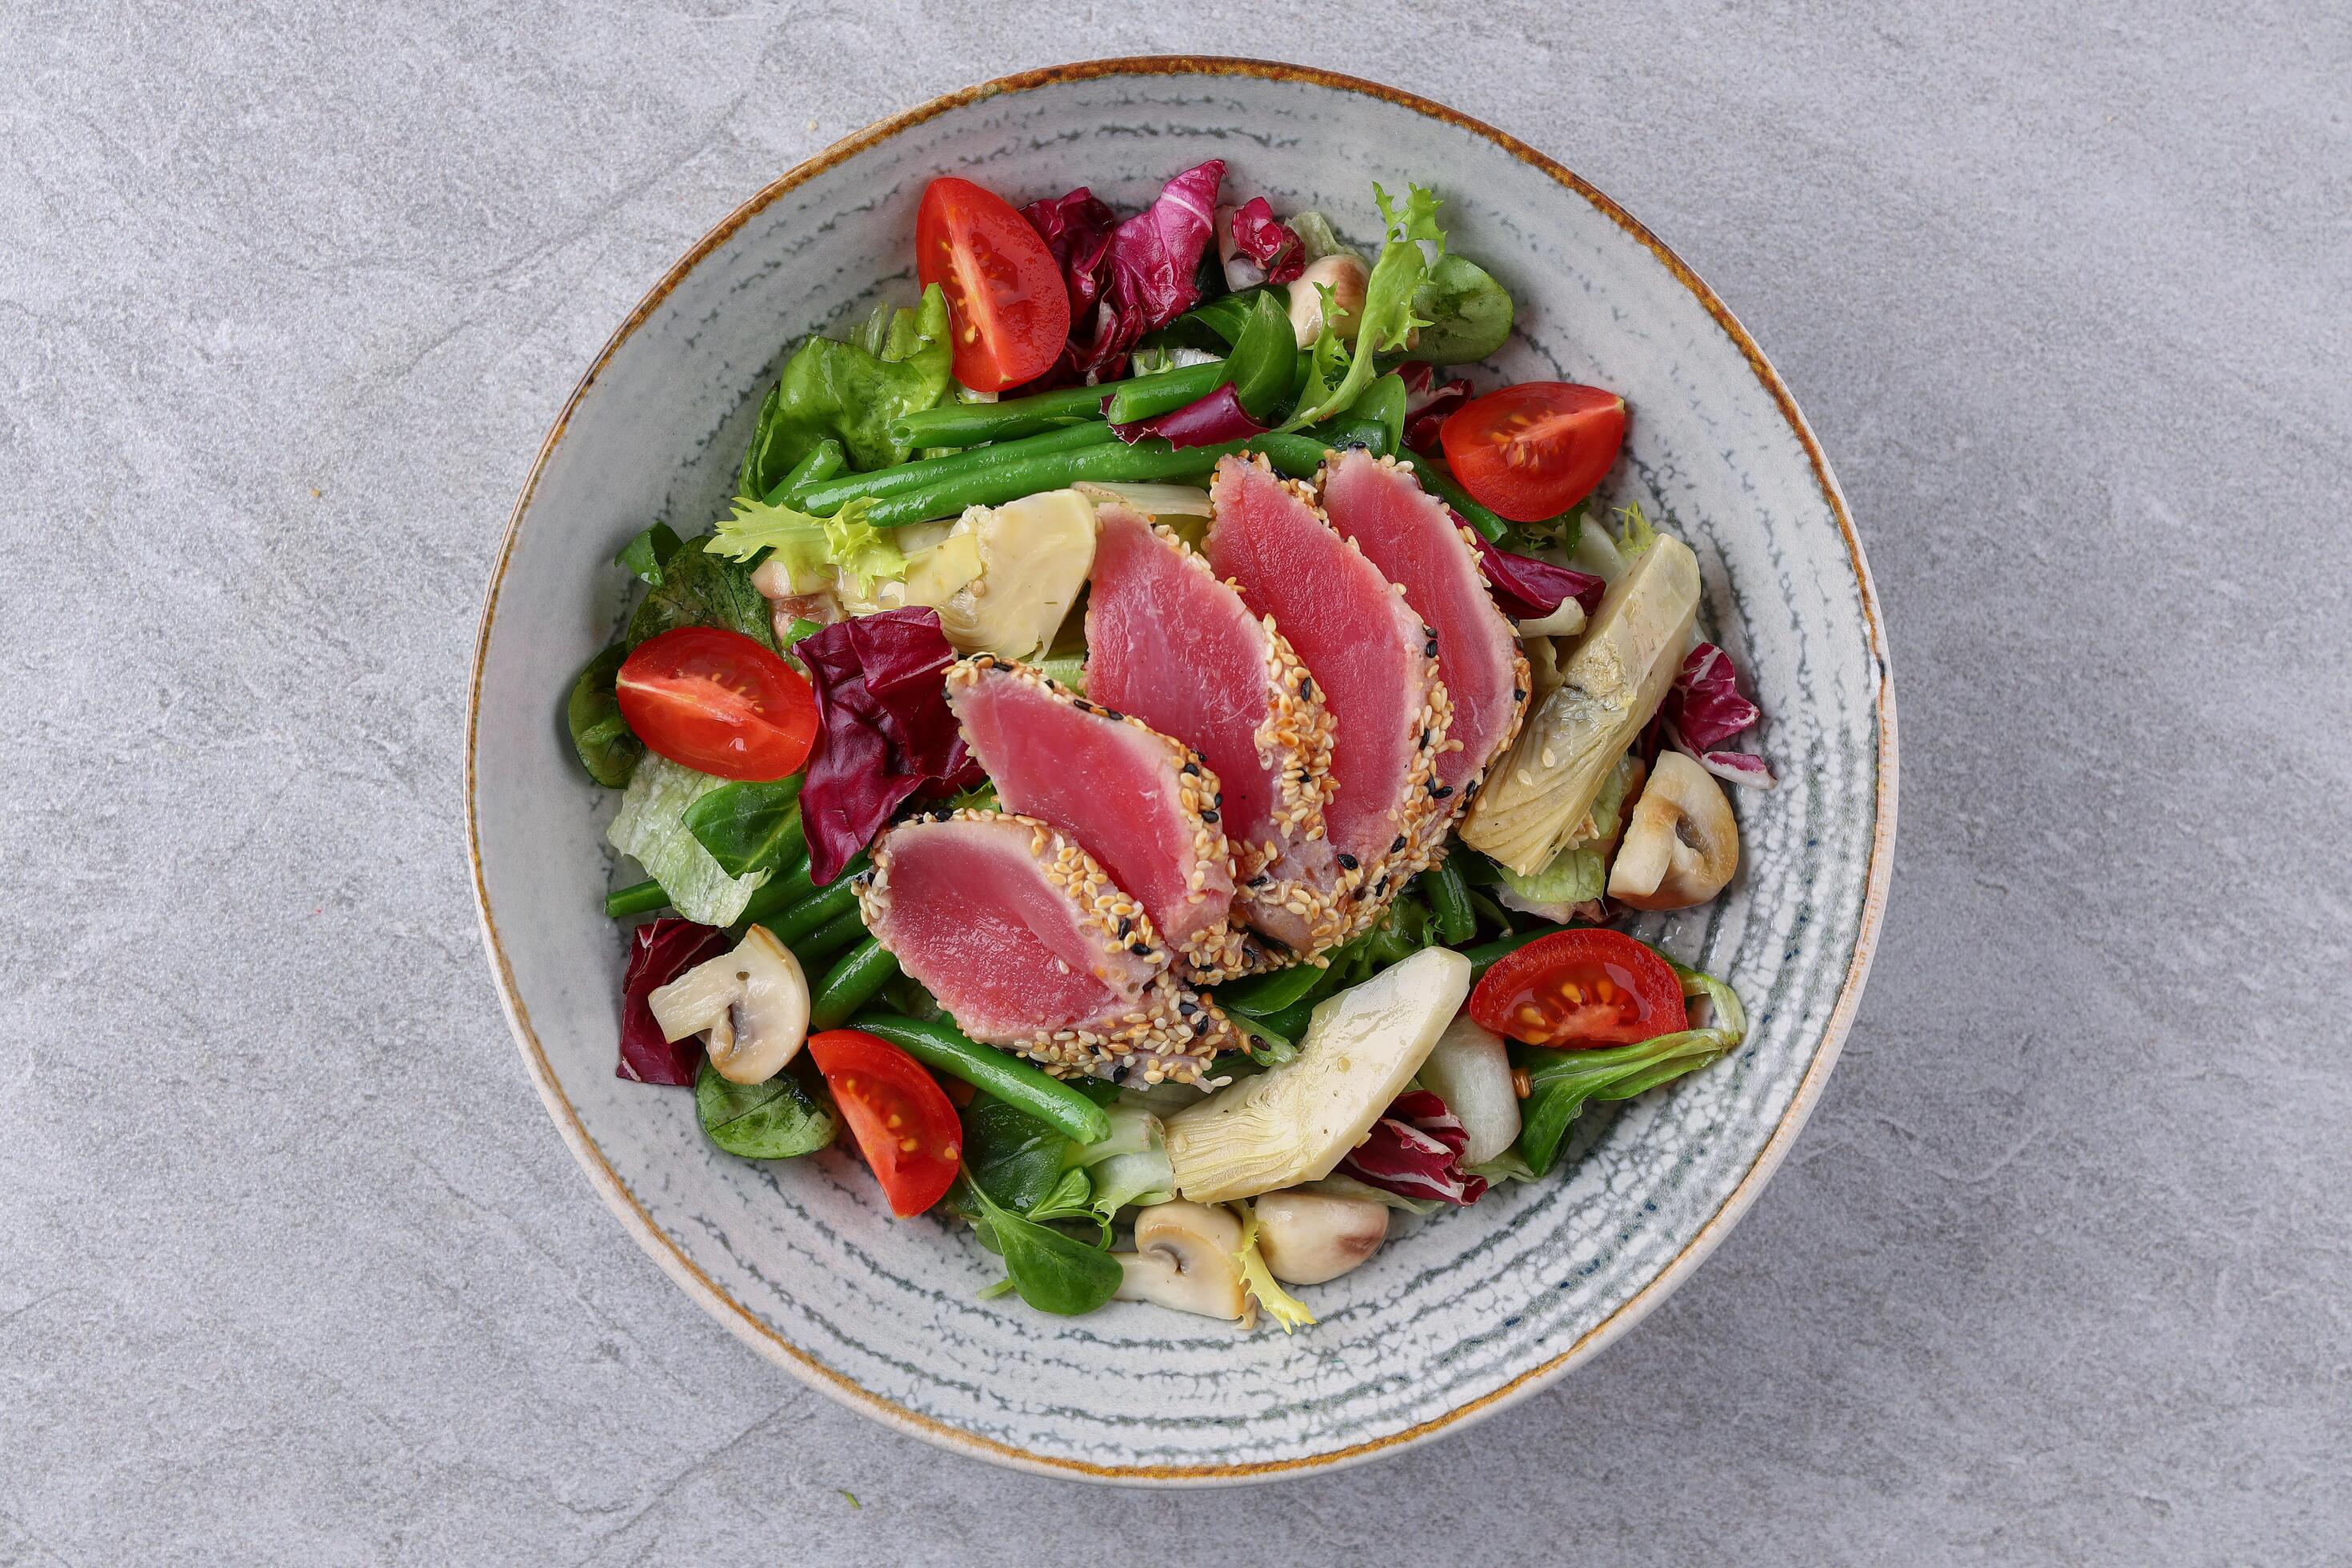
1414,542
1141,803
1372,657
1017,931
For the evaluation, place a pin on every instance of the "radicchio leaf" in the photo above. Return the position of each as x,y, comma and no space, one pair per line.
1527,589
1276,248
1415,1151
1734,767
1204,422
659,951
1427,402
1705,705
1136,277
1077,228
887,732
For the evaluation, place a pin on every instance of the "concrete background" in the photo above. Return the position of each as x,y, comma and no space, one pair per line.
293,1267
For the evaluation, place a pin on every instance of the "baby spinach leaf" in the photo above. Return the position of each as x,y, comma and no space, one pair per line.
649,551
1265,364
851,392
750,824
1466,314
699,589
1010,1155
607,749
778,1120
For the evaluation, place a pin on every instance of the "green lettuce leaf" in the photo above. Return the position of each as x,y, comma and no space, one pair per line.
809,546
608,749
851,392
651,827
1387,318
1574,877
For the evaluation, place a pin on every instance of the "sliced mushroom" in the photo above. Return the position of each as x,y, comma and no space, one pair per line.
1682,843
750,1006
1184,1257
1345,276
1308,1238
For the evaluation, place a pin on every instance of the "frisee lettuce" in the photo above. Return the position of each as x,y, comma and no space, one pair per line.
810,546
1287,1310
1411,243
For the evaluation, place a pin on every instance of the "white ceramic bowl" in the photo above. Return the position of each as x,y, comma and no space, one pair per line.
1463,1312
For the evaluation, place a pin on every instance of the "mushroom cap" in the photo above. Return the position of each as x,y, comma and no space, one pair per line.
1682,842
750,1005
1185,1257
1308,1238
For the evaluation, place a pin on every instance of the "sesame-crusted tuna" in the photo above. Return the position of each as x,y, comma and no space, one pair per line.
1141,803
1372,658
1172,645
1419,545
1028,944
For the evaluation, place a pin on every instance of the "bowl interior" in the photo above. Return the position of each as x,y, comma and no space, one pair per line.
1458,1312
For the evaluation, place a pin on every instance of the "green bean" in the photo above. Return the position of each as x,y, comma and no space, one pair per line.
852,983
780,892
824,460
1148,461
971,424
1439,481
941,1047
1149,396
1449,903
825,498
812,914
1484,956
1488,910
828,940
642,898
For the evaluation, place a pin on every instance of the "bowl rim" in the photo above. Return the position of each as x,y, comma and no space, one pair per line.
805,1366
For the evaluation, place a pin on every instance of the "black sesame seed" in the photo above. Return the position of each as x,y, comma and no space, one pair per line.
1125,925
1306,686
1191,770
1440,791
1261,880
1397,845
1208,816
1347,860
1140,950
1518,694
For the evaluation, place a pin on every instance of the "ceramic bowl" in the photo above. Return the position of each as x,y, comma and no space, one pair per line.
1460,1314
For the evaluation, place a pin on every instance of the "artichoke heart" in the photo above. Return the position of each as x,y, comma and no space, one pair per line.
1296,1122
1541,792
1032,556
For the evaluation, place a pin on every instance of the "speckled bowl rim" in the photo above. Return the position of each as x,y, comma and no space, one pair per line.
815,1373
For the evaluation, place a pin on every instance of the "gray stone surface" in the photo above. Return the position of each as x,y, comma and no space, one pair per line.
293,1267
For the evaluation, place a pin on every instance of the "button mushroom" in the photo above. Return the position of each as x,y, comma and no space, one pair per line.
1682,843
1345,276
1308,1238
1184,1257
750,1006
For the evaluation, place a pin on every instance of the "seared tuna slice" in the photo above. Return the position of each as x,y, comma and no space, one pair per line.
1169,644
1417,544
1372,658
1139,803
1025,942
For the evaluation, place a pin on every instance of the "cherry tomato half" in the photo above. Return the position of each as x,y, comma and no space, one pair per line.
716,702
1580,988
1531,451
897,1111
1010,310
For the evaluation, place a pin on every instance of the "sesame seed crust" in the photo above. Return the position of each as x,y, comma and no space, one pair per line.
1153,1026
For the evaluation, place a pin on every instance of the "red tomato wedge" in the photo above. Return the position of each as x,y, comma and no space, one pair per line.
716,702
1580,988
897,1111
1531,451
1011,309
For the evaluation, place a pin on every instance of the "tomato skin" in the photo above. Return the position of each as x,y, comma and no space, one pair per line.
1010,308
875,1084
1531,451
1623,995
716,702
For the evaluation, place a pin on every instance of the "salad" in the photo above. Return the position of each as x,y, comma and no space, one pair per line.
1153,750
